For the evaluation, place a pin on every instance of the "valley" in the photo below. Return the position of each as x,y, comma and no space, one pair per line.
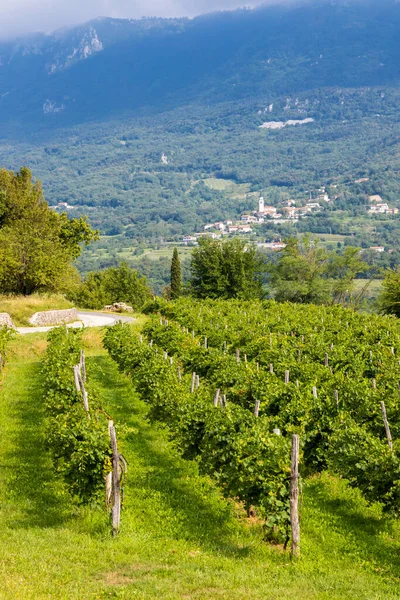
153,150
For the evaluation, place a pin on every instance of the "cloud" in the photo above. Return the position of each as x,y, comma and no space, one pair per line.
18,17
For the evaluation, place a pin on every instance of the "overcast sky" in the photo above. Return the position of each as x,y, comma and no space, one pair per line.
22,16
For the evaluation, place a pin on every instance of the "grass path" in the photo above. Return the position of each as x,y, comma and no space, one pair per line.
179,538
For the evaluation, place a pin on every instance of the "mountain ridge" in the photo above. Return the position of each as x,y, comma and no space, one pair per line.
107,65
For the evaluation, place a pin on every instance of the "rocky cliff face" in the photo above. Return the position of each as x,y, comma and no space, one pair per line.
81,48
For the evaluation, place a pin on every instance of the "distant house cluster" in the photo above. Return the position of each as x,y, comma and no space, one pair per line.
378,207
63,206
288,211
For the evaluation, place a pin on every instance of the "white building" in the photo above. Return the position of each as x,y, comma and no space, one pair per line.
275,245
248,219
219,225
290,212
63,206
189,239
210,234
380,208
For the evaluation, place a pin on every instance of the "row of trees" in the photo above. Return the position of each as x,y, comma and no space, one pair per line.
305,272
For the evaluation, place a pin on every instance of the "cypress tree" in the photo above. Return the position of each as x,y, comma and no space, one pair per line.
176,276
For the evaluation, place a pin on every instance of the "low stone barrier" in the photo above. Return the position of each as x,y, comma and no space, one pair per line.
5,319
54,317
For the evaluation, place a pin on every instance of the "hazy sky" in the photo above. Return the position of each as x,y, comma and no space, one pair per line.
22,16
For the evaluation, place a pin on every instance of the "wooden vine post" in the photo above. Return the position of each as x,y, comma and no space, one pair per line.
76,378
80,378
82,365
387,428
193,383
294,496
116,484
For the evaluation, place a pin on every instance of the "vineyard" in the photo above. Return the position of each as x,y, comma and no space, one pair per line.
207,399
78,433
234,380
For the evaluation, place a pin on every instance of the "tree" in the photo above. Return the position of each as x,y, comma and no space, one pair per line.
123,284
37,245
308,273
228,269
344,268
176,276
115,284
389,298
299,275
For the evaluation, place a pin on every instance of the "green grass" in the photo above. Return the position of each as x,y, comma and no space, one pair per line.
151,253
179,538
238,190
373,289
21,308
332,238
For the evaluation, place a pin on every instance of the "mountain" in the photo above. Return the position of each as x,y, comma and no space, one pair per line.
154,127
110,65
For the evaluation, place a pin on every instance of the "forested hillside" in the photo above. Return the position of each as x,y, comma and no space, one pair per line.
152,127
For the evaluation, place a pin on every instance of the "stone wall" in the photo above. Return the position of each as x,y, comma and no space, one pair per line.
54,317
5,319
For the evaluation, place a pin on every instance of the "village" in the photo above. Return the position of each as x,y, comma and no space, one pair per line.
287,213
